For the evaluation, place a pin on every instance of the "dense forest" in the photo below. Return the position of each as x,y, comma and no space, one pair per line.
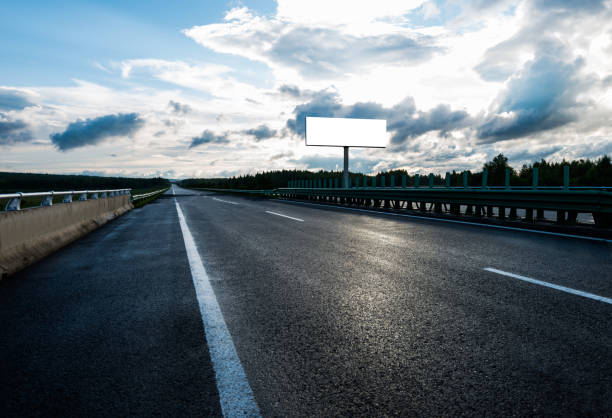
25,182
582,173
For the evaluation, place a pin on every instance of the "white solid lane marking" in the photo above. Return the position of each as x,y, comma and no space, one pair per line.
285,216
403,215
235,393
552,286
225,201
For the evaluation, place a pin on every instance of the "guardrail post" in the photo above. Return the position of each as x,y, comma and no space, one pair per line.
468,209
566,177
83,196
485,175
416,180
513,214
374,181
431,179
535,174
104,195
47,201
13,203
356,181
67,198
404,180
448,179
382,181
392,181
507,179
336,182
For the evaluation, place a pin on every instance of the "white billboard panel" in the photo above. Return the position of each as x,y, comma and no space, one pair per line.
345,132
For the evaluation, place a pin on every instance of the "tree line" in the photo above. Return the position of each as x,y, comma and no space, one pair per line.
582,173
25,182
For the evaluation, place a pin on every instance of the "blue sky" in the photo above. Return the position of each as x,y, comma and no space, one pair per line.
205,88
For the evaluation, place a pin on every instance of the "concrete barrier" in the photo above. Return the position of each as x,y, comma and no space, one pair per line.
28,235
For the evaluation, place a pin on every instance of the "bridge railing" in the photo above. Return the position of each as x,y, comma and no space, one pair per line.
147,195
30,234
14,199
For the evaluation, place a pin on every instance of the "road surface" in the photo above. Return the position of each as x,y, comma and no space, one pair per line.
328,311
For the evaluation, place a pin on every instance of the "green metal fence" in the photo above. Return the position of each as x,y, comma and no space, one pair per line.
483,201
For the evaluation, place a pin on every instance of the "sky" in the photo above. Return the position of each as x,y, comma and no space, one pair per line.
221,88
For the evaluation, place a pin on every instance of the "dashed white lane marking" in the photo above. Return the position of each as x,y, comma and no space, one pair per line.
403,215
285,216
551,285
225,201
234,391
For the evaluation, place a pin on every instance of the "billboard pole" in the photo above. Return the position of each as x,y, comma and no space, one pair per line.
346,165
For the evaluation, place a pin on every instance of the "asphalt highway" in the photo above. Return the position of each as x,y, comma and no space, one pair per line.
331,312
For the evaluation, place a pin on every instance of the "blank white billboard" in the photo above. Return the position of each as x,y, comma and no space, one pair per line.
345,132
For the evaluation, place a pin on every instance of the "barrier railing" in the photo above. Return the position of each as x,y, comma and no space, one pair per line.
14,199
145,195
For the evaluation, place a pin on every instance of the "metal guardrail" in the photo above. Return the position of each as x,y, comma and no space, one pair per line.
14,199
144,196
477,202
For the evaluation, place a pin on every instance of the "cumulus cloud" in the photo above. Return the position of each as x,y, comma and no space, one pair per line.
261,132
179,108
404,121
14,132
544,21
93,131
209,137
543,96
11,99
314,50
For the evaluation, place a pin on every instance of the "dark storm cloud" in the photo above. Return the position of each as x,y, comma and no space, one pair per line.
261,132
94,131
403,119
208,137
542,97
13,132
323,105
13,100
179,108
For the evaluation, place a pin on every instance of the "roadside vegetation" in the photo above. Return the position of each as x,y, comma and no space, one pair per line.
582,173
32,182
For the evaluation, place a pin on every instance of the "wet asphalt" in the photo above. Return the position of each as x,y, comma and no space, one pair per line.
340,314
